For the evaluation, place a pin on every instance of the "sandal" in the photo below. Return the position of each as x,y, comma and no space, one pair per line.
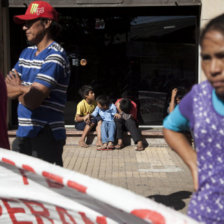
119,146
110,147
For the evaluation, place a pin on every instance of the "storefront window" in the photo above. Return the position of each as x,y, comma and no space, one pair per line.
129,55
140,57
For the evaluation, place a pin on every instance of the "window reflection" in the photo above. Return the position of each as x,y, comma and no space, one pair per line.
141,57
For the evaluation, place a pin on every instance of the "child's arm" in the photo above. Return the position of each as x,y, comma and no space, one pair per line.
95,112
117,104
79,118
117,115
172,101
115,110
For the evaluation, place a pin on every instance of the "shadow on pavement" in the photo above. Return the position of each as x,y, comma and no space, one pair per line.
174,200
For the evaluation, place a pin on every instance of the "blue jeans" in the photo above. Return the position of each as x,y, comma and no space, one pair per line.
108,131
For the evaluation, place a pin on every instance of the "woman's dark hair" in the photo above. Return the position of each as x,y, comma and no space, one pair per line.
84,91
215,24
54,29
103,100
125,105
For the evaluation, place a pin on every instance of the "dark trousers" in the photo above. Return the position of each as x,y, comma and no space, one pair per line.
129,125
43,146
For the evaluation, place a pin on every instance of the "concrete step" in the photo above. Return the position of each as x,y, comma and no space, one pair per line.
151,137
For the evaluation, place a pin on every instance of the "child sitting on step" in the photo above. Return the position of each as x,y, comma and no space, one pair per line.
107,112
127,120
82,117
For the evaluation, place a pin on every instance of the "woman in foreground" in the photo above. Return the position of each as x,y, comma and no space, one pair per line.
202,110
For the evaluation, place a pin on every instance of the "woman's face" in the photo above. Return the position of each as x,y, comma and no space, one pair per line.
212,55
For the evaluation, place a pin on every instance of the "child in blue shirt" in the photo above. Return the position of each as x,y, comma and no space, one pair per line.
107,112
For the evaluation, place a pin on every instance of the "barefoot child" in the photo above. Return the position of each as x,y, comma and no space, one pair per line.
82,117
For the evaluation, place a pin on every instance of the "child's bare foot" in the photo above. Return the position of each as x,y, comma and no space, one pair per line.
140,146
99,143
83,144
120,144
102,147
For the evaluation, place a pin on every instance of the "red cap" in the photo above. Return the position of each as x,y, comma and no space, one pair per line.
37,9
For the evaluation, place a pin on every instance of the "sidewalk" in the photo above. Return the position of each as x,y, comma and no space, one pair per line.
156,173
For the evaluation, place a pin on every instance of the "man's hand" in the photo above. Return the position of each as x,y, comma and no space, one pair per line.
13,78
13,83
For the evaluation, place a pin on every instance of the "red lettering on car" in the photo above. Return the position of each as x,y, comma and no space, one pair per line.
101,220
85,218
12,211
39,215
149,215
63,213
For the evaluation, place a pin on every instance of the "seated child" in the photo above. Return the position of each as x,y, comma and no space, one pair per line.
176,96
107,111
127,119
82,117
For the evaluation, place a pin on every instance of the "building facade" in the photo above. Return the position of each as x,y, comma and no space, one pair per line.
135,48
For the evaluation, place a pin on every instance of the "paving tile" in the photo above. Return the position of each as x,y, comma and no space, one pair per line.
156,172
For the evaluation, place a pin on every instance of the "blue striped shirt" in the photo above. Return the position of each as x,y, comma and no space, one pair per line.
51,69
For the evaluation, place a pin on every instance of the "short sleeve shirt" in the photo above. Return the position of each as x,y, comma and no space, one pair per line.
106,115
50,68
84,108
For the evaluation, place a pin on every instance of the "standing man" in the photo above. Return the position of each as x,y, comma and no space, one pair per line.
39,80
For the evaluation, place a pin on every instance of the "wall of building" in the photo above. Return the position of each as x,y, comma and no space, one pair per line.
210,9
4,40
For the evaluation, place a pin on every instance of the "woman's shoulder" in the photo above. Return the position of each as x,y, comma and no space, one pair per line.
202,86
